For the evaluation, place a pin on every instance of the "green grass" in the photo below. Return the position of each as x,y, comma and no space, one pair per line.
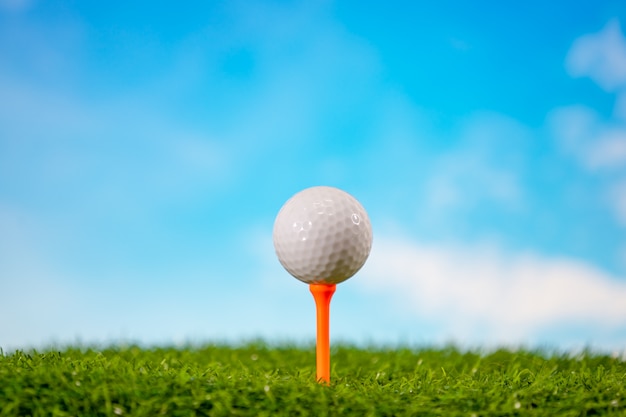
258,380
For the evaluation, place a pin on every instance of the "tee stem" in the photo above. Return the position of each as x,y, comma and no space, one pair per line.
322,293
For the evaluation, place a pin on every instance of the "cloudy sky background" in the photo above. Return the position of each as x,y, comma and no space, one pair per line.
145,150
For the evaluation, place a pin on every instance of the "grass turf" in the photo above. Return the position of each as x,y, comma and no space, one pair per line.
257,380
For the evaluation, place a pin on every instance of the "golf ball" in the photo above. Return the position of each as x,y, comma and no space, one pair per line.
322,235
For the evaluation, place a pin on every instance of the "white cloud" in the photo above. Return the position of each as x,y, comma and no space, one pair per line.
503,298
573,127
600,56
114,151
464,180
610,150
617,196
598,146
595,143
486,167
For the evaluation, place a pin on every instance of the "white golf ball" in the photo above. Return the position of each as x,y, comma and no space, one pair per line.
322,235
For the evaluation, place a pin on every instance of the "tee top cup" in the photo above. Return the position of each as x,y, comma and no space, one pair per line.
322,235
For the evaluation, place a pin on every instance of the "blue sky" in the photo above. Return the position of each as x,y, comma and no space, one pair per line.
145,150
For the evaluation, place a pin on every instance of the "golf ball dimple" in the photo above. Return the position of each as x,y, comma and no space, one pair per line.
322,235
